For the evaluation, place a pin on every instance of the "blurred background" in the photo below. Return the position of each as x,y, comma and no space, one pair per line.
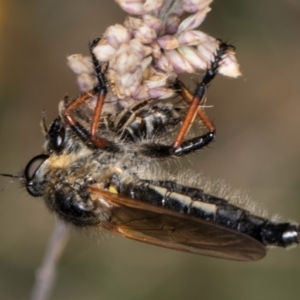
257,150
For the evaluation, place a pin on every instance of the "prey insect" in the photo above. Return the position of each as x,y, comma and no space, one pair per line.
193,99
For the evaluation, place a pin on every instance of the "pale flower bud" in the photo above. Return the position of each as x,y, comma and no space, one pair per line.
161,93
86,82
116,35
80,64
229,66
128,57
145,34
104,52
129,82
152,22
151,5
193,57
172,24
156,82
139,7
179,63
164,64
168,42
193,21
126,62
178,11
192,6
192,37
138,48
156,50
208,49
145,64
132,23
134,7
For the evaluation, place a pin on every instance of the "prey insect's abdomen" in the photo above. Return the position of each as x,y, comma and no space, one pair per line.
144,120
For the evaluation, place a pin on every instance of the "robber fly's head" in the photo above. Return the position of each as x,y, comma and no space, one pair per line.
35,169
61,176
33,175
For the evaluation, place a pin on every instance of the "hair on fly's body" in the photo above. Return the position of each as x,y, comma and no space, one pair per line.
124,190
103,171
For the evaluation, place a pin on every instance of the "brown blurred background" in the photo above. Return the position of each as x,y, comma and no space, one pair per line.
257,150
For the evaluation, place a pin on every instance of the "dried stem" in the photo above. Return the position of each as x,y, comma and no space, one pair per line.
45,275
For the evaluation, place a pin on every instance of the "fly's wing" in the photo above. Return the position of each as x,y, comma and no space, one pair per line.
163,227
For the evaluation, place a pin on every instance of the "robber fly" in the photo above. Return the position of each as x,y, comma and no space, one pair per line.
105,173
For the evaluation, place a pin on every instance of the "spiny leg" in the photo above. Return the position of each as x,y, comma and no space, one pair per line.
97,67
98,141
83,134
194,100
100,91
161,151
188,97
181,147
194,109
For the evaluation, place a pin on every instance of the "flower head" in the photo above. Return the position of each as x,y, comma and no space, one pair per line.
155,44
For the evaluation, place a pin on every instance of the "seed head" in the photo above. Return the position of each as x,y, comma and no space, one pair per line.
157,42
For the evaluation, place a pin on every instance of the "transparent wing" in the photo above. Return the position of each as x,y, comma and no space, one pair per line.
159,226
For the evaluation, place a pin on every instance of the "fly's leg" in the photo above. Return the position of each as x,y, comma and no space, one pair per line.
100,91
194,100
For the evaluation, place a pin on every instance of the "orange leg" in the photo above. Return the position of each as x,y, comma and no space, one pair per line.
194,100
188,97
99,142
194,109
101,91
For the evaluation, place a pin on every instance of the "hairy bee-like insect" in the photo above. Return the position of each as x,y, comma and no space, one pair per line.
107,174
123,190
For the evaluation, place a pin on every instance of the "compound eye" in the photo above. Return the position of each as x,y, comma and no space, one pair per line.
34,165
59,140
56,136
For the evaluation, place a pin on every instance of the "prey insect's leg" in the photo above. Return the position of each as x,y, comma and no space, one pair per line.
195,99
